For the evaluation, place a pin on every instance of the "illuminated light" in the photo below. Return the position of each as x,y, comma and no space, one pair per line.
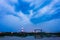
11,32
33,31
22,29
0,32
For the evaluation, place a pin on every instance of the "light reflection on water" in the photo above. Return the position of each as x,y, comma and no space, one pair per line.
28,38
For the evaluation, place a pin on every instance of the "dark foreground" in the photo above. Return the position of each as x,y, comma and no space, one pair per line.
25,34
29,36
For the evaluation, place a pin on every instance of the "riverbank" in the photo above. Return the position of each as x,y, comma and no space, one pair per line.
24,34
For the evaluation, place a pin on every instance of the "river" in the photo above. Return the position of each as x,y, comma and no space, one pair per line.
28,38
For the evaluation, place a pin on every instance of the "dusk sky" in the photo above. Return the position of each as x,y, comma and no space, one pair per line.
29,14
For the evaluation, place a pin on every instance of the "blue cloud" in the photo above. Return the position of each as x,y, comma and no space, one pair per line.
45,18
43,4
23,6
48,15
39,14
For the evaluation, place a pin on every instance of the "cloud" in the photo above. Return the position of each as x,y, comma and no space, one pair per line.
50,26
47,13
6,8
9,23
29,13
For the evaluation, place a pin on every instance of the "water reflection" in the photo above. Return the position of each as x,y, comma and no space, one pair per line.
31,37
38,37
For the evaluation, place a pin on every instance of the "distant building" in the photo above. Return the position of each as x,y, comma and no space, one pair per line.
37,30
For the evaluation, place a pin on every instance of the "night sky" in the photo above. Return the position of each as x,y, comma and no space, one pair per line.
29,14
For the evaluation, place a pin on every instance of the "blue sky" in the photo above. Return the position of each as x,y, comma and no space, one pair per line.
31,14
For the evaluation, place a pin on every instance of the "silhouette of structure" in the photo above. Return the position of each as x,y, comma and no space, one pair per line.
37,30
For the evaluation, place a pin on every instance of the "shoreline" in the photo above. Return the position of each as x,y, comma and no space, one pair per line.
24,34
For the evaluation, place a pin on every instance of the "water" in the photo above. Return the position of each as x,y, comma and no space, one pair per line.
28,38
